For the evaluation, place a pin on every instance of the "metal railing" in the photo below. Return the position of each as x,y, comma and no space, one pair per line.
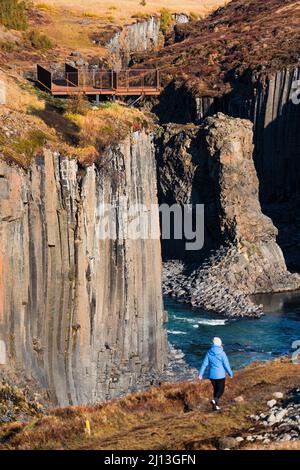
86,80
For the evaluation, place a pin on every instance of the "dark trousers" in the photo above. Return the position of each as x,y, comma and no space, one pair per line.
219,387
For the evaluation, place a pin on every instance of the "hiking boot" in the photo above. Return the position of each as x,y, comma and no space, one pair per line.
214,405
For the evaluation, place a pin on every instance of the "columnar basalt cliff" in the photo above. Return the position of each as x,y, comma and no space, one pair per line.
272,107
214,166
83,315
143,36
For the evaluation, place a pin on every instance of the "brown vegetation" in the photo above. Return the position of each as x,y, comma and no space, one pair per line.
123,10
209,54
38,40
22,150
13,14
17,405
72,25
100,128
166,417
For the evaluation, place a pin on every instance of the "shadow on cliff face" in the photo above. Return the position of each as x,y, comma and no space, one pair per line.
286,217
179,104
176,105
276,139
267,103
183,178
277,160
276,120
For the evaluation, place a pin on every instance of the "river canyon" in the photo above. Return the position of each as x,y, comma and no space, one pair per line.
86,317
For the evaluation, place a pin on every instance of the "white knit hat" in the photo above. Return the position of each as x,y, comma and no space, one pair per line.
217,341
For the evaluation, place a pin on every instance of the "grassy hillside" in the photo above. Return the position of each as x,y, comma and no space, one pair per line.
167,417
123,9
256,35
65,25
13,14
70,23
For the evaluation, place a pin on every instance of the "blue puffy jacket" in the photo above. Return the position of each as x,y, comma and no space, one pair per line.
218,363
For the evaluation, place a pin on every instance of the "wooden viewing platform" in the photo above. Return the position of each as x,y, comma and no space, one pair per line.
74,81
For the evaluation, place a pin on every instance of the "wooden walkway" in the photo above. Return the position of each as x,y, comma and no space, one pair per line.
74,81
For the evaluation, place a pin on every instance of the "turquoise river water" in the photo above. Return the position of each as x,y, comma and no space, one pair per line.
244,340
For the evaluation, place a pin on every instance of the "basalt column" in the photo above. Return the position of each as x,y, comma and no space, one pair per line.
80,312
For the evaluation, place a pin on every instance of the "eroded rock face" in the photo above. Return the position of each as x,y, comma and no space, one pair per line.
240,255
82,315
140,37
181,18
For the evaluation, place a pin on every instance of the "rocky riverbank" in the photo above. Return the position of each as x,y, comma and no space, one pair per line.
208,287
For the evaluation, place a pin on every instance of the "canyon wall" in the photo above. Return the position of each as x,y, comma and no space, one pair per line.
213,165
81,314
135,38
267,102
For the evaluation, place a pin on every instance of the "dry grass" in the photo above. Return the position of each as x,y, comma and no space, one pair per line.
69,30
100,128
70,24
30,120
243,36
23,149
22,133
167,417
7,35
19,95
124,9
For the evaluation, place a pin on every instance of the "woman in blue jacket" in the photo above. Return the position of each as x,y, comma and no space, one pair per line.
218,363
